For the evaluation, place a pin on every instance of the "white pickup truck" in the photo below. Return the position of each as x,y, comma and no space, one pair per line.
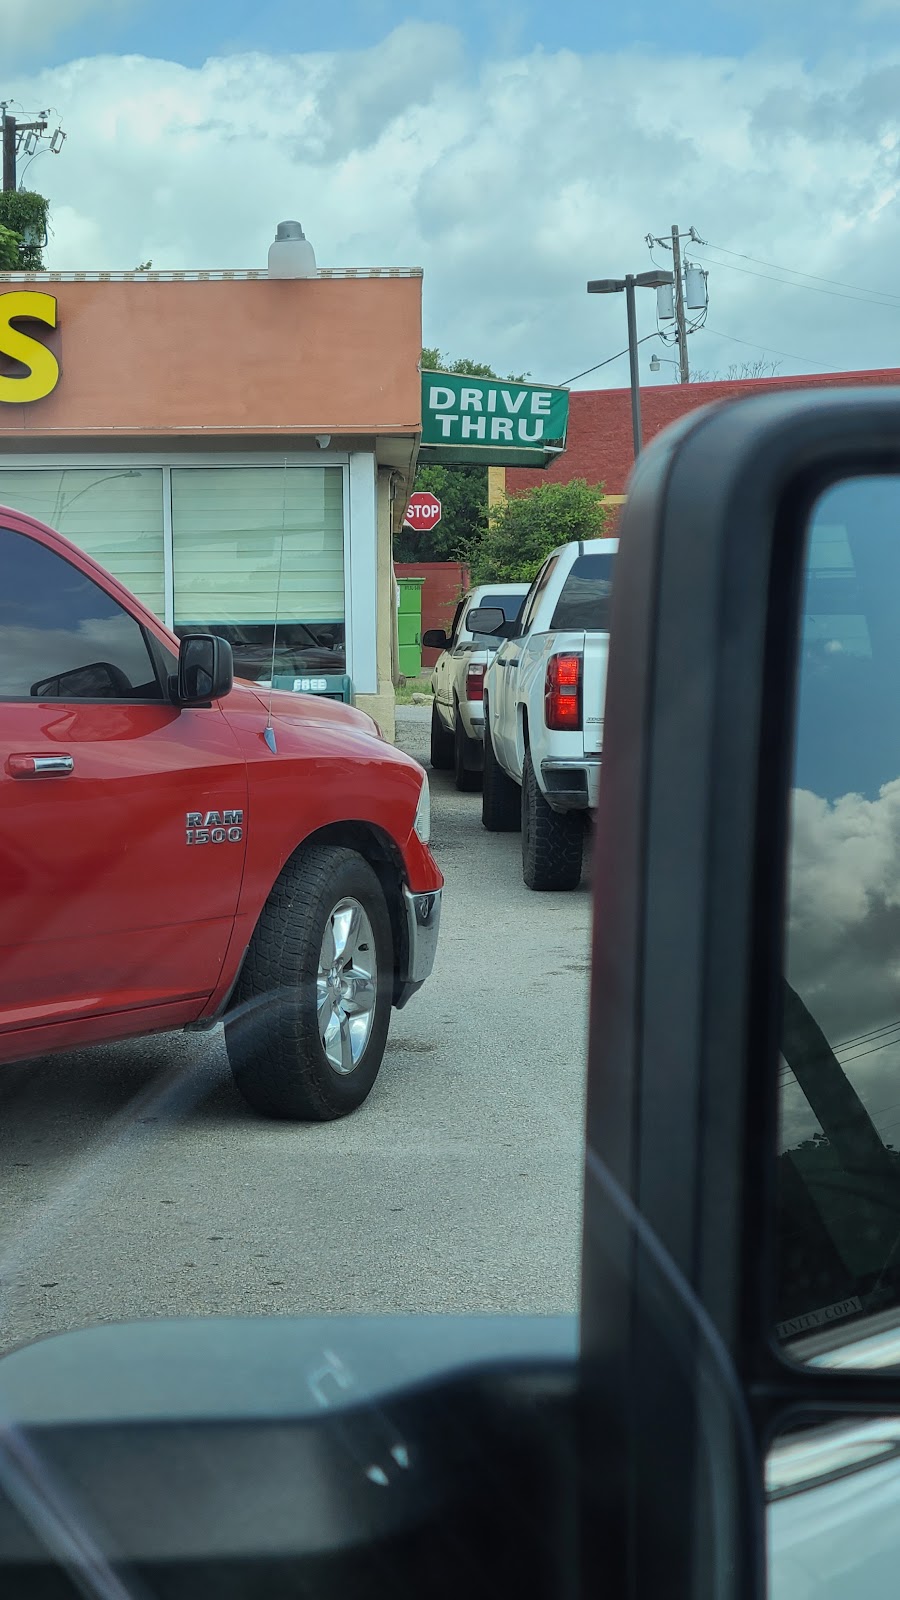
457,716
543,711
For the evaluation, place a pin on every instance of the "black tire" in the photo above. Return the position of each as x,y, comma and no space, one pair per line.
552,841
501,805
272,1037
442,751
467,778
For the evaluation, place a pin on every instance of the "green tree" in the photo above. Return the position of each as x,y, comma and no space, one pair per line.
461,489
463,366
9,249
526,527
26,214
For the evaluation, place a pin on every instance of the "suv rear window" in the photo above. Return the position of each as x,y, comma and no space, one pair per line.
584,602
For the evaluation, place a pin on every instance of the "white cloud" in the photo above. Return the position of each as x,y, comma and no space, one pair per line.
844,940
511,182
25,24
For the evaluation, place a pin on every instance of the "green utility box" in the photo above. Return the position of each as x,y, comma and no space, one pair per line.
330,685
409,626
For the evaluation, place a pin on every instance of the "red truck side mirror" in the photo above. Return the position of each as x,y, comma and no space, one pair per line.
205,669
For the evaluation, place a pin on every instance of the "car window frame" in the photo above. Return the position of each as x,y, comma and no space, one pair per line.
532,599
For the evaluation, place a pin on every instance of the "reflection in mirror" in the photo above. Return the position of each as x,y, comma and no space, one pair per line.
834,1511
838,1274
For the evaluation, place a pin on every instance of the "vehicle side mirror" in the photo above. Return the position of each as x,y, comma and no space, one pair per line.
743,1181
434,639
490,619
205,669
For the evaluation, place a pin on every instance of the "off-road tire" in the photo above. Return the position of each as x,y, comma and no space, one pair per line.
442,743
501,805
552,841
272,1032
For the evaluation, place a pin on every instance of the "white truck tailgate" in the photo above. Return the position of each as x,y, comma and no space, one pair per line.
593,690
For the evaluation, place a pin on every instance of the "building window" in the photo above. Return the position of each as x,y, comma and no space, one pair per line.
253,546
114,514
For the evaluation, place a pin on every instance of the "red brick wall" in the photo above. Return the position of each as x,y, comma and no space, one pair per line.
599,446
443,582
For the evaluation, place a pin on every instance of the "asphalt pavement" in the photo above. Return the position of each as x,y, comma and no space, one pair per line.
134,1182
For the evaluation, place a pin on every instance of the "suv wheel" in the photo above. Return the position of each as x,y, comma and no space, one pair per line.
313,1004
552,841
501,807
442,751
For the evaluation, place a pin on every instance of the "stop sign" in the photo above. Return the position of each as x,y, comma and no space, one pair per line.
423,511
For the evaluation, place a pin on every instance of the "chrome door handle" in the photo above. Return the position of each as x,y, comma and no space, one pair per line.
40,766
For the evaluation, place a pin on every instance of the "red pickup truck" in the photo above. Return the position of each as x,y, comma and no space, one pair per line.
178,849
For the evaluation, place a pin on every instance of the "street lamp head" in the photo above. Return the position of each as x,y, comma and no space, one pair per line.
654,280
606,286
654,363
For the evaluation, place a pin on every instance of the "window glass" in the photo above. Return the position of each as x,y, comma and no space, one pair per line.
255,543
61,635
586,593
455,625
532,599
839,1157
114,514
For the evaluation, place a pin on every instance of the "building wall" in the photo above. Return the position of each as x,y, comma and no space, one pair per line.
247,355
154,369
380,705
599,445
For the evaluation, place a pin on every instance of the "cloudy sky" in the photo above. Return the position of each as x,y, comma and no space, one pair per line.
512,149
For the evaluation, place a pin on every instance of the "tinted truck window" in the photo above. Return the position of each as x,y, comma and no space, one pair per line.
61,635
584,602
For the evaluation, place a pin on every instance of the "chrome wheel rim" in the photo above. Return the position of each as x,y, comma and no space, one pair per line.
346,986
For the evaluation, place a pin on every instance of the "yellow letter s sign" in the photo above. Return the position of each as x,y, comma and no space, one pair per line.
30,305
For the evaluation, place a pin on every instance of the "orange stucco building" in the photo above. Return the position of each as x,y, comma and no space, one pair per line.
236,448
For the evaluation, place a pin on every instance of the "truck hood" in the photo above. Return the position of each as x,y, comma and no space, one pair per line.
306,708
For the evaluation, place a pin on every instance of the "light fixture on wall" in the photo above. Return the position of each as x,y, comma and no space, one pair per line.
290,254
323,440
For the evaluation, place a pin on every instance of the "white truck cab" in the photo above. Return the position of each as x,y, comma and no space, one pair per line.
543,706
457,718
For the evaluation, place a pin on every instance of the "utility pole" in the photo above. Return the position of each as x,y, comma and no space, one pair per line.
688,294
9,149
13,130
684,370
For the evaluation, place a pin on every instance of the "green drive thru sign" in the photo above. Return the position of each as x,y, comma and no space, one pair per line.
488,421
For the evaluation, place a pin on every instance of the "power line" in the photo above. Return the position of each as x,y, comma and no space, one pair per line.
616,357
836,294
751,345
837,282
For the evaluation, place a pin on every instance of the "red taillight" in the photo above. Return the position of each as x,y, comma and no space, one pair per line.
562,693
475,681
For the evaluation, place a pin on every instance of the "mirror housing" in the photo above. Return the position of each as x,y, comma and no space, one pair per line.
434,639
205,670
689,870
492,620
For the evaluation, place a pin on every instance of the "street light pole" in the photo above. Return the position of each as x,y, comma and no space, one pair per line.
633,280
633,364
